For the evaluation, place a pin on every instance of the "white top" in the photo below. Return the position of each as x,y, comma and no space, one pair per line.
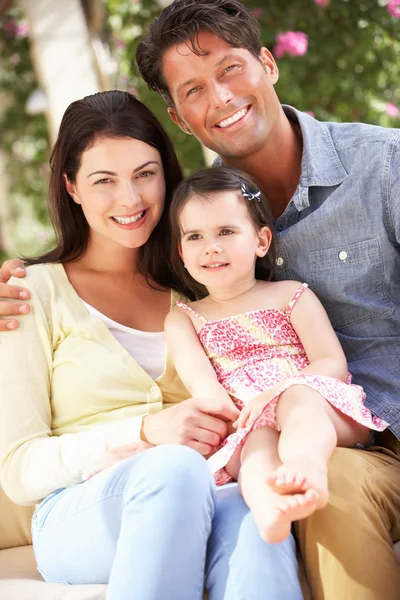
148,348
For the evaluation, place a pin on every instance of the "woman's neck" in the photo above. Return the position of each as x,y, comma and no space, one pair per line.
109,258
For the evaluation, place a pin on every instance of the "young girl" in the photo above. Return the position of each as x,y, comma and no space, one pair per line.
266,345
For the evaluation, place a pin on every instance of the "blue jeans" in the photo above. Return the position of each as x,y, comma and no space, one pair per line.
151,526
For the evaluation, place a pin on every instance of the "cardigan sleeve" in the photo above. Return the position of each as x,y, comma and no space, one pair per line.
34,462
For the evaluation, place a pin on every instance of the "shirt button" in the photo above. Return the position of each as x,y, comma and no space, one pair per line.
279,261
343,255
154,390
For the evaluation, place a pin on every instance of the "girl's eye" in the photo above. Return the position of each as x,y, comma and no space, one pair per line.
226,232
193,237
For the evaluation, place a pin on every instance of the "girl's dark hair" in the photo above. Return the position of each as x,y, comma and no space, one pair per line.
181,22
111,114
203,185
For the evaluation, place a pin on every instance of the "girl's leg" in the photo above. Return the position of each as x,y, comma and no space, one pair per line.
240,565
141,526
311,430
272,512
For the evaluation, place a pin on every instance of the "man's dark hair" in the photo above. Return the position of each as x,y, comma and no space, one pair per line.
181,22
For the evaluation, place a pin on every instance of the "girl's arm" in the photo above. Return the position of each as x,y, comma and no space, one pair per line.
190,360
312,325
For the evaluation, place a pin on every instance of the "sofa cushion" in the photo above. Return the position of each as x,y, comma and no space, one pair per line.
15,523
19,580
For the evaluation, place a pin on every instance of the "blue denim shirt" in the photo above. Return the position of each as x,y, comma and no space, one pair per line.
341,233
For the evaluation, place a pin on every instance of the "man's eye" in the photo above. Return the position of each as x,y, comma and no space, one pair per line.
230,68
192,91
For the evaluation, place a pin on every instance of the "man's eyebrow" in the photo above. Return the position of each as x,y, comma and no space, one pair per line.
217,64
104,172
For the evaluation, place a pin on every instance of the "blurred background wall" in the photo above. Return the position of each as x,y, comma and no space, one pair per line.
338,59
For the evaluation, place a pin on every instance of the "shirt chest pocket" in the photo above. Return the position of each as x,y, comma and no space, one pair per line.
349,281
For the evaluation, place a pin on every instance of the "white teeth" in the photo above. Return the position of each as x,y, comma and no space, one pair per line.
215,266
127,220
233,118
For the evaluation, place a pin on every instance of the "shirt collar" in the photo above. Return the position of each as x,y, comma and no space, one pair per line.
320,163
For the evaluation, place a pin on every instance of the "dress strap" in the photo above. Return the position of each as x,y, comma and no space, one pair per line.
191,310
296,296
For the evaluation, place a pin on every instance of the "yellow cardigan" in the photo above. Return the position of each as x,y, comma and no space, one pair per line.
69,391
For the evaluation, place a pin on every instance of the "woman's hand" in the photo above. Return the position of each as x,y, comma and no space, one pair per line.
115,456
11,292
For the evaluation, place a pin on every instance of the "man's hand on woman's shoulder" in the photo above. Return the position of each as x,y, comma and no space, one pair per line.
10,293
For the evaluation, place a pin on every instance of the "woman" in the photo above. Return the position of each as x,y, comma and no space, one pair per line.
96,377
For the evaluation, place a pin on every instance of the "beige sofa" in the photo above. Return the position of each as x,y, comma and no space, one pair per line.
19,579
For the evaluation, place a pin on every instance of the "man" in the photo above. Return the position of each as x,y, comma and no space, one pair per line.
335,194
334,190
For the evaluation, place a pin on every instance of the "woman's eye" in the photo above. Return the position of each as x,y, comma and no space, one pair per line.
145,174
105,180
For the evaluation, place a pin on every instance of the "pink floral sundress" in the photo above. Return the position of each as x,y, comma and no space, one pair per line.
254,350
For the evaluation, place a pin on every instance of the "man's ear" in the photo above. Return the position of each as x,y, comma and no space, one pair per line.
270,65
172,113
71,189
264,241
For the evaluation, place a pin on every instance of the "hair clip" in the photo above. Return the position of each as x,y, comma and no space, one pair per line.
247,193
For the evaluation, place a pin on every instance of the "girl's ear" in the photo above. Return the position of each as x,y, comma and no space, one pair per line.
264,241
71,189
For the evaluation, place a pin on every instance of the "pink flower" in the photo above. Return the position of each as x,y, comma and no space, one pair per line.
392,110
310,112
22,30
257,12
120,44
14,29
294,43
393,7
323,3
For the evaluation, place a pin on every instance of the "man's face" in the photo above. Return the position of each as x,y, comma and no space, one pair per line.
225,98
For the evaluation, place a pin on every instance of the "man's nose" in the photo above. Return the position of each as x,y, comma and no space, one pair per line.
220,94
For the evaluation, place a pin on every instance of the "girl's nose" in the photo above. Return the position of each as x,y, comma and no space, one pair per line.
213,247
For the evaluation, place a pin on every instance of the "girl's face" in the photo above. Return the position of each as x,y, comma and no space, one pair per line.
219,243
121,188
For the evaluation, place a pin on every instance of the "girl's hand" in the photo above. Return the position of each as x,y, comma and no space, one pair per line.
115,456
254,407
249,412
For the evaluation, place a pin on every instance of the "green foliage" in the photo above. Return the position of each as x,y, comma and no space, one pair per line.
349,73
24,138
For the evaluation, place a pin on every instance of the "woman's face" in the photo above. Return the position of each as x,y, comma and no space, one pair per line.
121,187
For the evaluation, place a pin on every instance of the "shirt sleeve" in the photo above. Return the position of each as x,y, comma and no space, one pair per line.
34,462
393,192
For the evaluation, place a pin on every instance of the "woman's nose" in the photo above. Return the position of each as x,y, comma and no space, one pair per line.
129,195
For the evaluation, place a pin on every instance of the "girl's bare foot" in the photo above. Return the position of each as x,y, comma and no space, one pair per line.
300,475
274,513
